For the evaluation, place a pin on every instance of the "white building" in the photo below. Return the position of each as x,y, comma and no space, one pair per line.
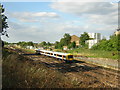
95,38
29,47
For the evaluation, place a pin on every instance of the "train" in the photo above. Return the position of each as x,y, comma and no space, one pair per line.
59,55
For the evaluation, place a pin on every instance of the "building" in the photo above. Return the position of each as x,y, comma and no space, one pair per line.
117,32
76,39
65,47
29,47
95,38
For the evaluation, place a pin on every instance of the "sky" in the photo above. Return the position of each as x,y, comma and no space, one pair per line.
49,21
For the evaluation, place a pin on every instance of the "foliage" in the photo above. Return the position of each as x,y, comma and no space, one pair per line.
95,53
3,24
24,44
49,44
113,44
6,43
83,38
65,41
72,45
56,44
43,43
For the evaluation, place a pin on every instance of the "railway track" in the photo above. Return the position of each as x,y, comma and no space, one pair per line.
87,75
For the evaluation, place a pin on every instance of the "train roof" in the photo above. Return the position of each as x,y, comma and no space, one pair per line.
60,53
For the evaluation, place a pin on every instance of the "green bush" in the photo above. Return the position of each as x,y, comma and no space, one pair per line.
113,44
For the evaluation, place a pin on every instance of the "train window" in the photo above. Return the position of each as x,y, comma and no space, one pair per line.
60,55
70,56
64,56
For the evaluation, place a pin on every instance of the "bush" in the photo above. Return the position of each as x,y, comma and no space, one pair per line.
109,45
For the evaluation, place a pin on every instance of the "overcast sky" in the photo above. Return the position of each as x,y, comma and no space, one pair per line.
48,21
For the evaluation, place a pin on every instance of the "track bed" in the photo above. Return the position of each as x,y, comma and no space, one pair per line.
81,73
87,75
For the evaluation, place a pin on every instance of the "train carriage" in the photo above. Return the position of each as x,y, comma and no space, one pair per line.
59,55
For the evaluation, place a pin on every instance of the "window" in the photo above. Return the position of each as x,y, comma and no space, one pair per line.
59,55
70,56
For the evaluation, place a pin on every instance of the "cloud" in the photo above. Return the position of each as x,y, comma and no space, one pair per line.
86,17
58,0
32,16
80,8
50,31
100,12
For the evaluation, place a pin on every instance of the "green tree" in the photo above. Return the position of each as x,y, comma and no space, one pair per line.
113,44
67,39
56,44
72,45
43,44
49,44
30,43
3,21
83,38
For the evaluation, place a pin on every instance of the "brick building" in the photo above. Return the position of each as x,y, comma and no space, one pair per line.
76,39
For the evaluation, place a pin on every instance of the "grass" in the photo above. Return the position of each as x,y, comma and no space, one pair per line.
20,72
95,53
29,50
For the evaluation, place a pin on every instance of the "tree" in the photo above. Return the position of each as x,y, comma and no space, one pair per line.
72,45
56,44
43,44
30,43
49,44
3,22
83,38
113,44
67,39
22,44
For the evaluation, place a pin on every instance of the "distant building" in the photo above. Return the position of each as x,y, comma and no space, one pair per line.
76,39
29,47
95,38
65,47
117,32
